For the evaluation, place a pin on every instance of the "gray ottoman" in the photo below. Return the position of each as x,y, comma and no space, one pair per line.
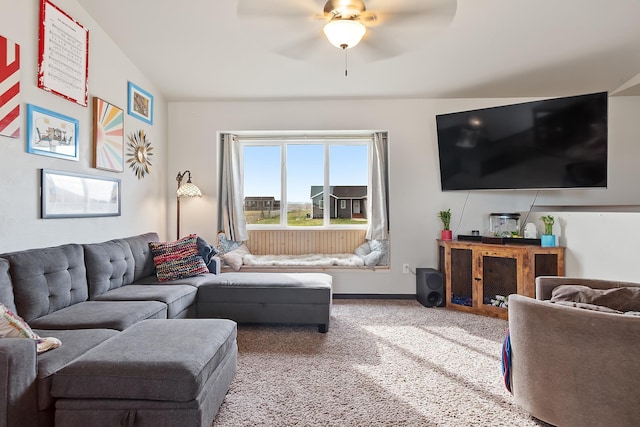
268,298
169,372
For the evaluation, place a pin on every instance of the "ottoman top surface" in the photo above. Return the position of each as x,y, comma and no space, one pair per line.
159,359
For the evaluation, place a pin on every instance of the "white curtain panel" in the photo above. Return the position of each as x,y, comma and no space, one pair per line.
378,201
231,215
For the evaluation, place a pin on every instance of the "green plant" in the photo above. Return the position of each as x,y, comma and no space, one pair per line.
445,217
548,221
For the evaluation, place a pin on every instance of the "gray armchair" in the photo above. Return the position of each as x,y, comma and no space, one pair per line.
572,366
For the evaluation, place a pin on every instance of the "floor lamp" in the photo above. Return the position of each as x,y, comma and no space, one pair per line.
187,189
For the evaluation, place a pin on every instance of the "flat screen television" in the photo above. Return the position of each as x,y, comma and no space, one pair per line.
553,143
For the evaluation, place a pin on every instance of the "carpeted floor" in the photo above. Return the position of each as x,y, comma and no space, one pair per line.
382,363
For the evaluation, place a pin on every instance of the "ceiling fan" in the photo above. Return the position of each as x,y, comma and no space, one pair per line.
348,22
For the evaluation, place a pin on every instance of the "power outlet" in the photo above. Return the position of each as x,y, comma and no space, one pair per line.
405,268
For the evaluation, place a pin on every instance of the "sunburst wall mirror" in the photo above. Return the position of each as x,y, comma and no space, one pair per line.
139,152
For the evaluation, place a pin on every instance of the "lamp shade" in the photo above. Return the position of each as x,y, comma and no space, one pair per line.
188,189
344,33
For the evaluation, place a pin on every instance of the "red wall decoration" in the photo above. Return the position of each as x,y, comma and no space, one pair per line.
9,88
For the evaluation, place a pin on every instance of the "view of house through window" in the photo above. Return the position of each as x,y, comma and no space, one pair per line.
300,183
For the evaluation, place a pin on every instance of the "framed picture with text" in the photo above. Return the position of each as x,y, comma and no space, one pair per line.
63,54
140,103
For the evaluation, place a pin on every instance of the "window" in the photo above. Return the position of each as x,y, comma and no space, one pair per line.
301,177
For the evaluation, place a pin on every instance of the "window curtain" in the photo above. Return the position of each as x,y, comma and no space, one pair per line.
230,211
378,202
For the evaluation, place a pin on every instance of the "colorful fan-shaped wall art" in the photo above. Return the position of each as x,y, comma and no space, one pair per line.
108,136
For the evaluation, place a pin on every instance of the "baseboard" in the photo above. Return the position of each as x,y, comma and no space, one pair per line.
374,296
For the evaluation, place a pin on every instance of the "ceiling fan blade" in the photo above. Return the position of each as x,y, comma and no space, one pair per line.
278,8
304,48
376,47
432,13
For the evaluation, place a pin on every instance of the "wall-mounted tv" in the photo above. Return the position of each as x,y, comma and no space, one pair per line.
553,143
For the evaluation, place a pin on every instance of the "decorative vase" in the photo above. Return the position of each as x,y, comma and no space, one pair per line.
446,235
548,240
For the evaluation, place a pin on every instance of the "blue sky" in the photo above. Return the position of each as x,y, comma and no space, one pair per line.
305,167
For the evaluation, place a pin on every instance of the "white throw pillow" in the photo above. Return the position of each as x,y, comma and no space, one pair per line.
234,259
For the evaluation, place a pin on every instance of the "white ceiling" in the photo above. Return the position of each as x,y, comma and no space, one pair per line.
203,49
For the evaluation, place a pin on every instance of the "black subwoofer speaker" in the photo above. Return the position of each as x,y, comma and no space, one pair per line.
430,287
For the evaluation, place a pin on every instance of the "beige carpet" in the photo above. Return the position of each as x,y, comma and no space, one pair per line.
382,363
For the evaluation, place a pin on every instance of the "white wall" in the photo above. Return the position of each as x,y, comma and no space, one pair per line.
143,202
414,180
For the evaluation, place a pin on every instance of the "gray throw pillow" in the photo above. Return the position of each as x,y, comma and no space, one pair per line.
372,259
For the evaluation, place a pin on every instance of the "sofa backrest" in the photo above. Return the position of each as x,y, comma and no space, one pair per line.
6,289
109,266
47,279
142,255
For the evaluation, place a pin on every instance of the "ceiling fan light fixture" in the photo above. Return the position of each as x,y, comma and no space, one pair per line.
344,33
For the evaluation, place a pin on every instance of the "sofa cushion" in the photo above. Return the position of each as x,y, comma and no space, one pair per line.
142,256
117,315
109,266
177,297
621,299
76,343
48,279
177,259
169,360
6,289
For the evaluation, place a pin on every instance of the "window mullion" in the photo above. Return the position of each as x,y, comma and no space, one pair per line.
327,189
283,189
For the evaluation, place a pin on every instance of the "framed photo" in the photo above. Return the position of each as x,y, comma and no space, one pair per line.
74,195
140,103
108,136
51,134
63,54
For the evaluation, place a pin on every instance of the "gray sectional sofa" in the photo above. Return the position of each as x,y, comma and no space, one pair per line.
101,298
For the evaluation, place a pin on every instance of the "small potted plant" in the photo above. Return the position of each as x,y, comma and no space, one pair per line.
445,217
548,238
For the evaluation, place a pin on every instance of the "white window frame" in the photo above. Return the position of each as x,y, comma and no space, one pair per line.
327,139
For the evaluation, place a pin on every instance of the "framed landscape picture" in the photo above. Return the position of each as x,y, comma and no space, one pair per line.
140,103
74,195
108,136
51,134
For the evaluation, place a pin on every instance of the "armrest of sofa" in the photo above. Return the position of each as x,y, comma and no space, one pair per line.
215,265
18,372
546,284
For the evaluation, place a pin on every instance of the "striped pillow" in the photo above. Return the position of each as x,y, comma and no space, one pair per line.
177,260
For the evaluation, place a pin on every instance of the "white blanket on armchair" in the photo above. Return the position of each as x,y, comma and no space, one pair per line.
314,260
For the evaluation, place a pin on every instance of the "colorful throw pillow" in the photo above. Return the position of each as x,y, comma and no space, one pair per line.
13,326
178,259
225,245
